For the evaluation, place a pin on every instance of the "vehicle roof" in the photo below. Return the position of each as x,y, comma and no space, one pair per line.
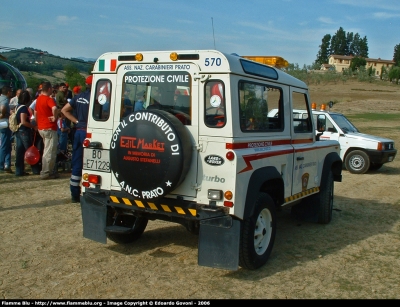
326,112
233,61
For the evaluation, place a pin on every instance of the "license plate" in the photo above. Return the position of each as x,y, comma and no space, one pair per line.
96,160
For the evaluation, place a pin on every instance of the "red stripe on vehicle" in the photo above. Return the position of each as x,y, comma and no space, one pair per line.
249,158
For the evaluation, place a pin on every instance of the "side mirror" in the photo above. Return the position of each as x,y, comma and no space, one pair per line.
330,104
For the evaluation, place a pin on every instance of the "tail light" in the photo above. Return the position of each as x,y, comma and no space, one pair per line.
90,179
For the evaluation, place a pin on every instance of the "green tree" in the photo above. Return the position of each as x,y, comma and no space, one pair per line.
31,81
358,46
339,42
364,47
371,71
72,76
324,51
384,73
70,70
357,62
355,45
349,42
396,55
394,74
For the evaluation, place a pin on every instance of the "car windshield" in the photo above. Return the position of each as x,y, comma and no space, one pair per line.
344,123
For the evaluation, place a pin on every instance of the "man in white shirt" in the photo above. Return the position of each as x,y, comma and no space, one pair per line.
14,101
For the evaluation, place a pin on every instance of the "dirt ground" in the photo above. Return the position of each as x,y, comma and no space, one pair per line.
44,255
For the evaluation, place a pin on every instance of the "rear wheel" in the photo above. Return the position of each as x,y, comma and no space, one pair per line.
357,162
137,226
258,234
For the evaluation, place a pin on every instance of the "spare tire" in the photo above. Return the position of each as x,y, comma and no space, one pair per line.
150,153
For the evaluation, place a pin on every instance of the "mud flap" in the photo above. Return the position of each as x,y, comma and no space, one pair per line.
219,243
94,220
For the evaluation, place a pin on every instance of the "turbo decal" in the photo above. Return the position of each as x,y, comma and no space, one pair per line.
213,179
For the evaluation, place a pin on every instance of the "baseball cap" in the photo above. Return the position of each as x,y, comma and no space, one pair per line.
76,89
89,80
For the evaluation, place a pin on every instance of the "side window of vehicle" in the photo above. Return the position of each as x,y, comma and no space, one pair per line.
330,126
301,124
260,107
102,101
214,104
320,123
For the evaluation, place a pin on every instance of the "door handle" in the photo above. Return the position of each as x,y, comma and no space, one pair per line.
300,158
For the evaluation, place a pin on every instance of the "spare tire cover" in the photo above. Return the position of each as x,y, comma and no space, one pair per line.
150,153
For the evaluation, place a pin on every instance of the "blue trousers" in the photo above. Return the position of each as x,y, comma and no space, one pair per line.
63,141
5,148
77,163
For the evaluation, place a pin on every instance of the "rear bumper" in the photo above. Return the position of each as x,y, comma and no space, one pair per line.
165,208
219,233
381,157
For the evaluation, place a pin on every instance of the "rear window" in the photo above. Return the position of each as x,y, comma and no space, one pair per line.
169,91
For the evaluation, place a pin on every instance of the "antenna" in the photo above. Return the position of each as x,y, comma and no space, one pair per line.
212,23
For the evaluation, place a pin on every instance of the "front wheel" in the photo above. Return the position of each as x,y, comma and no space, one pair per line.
258,234
357,162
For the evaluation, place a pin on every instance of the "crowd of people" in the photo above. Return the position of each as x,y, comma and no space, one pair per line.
49,119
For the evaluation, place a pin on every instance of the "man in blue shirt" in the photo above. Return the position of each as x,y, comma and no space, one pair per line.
77,111
128,108
5,132
139,104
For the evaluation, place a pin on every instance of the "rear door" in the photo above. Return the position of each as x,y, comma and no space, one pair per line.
171,90
100,128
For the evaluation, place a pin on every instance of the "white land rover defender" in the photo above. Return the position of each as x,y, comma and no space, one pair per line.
185,137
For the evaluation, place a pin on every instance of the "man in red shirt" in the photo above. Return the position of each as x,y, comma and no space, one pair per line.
46,114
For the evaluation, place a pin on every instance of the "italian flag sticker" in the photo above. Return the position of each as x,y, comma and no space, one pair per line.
107,65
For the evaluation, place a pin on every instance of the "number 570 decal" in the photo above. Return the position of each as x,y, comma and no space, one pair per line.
212,62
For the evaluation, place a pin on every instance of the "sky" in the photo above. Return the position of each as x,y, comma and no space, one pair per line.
292,29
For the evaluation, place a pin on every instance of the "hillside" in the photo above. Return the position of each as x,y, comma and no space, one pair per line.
36,60
56,77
